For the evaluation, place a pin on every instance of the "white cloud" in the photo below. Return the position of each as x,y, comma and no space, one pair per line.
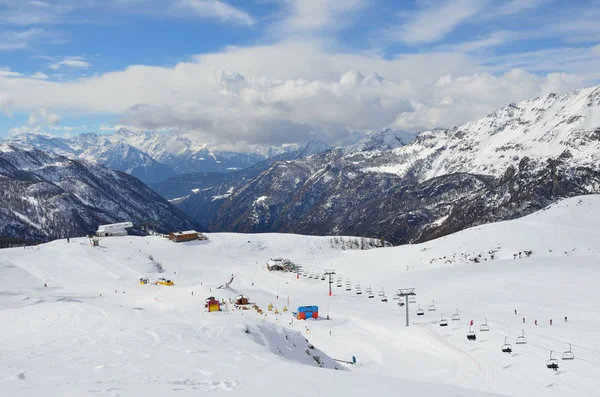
42,118
6,106
39,75
215,9
73,62
294,91
307,16
435,20
6,72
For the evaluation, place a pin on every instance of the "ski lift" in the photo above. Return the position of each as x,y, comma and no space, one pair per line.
396,297
311,275
420,312
304,275
521,340
384,298
432,306
400,303
484,327
456,317
506,348
552,363
370,292
568,355
339,285
443,321
381,293
412,299
323,278
358,290
471,334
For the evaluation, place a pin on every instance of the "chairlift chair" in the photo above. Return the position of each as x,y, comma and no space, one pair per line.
384,298
484,327
412,299
311,275
471,334
521,340
507,347
381,293
456,317
568,355
443,321
420,312
552,363
322,278
396,297
432,306
400,303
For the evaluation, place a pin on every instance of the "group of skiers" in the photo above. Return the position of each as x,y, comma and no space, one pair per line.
536,322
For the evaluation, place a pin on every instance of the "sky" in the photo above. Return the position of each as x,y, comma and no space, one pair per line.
284,71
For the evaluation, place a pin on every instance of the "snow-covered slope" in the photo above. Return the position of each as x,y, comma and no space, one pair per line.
385,140
95,330
540,128
44,195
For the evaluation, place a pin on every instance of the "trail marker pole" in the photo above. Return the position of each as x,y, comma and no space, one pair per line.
330,273
406,292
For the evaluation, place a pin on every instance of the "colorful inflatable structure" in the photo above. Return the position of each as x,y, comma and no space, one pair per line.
305,312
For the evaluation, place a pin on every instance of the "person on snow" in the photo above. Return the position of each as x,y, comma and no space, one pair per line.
192,293
535,322
565,319
523,320
515,311
46,285
550,321
471,323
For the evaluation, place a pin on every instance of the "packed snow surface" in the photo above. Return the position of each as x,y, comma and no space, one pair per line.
95,330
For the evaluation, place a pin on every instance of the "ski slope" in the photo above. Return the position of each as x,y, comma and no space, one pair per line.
94,330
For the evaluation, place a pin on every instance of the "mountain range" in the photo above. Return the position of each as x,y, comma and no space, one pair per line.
149,156
46,196
510,163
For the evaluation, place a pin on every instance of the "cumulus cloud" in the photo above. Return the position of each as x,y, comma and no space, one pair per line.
42,118
291,92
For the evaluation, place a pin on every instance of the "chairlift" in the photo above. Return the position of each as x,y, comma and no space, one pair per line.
521,340
507,347
484,327
456,317
381,293
420,312
443,321
384,298
552,363
396,297
323,278
471,334
304,275
339,285
311,275
568,355
412,299
400,303
432,306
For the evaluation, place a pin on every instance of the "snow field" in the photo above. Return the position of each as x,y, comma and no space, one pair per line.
80,337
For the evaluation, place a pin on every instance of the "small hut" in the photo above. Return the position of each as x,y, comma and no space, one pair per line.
242,300
212,304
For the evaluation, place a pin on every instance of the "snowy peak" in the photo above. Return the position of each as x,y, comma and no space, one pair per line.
312,148
537,129
387,139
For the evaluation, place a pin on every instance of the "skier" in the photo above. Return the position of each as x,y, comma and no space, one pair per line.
565,319
192,293
515,311
535,322
471,323
550,321
46,285
523,320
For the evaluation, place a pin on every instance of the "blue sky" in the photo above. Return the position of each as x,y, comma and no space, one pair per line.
271,70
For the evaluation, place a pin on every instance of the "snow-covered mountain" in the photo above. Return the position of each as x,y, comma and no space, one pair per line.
538,129
150,156
45,195
508,164
385,140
